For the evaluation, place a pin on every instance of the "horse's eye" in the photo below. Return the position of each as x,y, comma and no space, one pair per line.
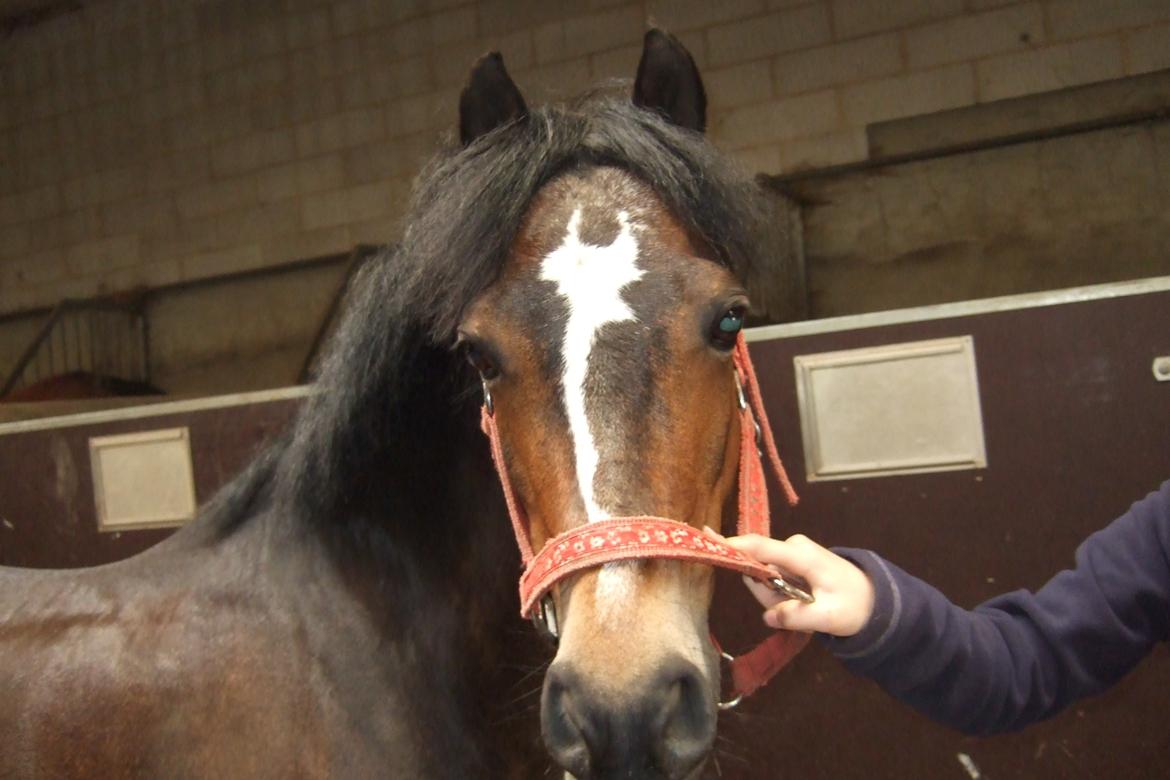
479,359
727,327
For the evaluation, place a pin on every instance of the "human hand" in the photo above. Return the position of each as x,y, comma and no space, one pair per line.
843,593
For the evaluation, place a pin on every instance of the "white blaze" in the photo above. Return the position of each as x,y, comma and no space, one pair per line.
591,279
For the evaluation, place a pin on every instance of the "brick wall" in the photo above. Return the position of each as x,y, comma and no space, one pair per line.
146,142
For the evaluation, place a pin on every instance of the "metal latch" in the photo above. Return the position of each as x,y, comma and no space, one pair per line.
1162,368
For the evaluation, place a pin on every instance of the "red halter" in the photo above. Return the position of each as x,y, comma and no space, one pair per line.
629,538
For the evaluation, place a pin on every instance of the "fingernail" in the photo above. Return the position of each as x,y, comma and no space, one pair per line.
709,531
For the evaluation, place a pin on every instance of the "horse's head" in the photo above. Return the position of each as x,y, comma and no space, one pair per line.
606,346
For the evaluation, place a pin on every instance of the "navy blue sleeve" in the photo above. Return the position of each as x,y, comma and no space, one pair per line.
1020,657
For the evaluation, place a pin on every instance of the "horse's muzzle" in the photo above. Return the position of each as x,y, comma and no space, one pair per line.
664,731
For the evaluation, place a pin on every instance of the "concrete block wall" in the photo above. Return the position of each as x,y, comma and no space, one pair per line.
1079,209
144,143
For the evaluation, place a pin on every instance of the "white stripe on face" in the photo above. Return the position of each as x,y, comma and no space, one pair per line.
591,279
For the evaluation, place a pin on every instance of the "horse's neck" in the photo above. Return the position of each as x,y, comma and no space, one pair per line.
422,588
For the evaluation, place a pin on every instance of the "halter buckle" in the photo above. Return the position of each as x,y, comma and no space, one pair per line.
487,398
545,618
741,399
732,703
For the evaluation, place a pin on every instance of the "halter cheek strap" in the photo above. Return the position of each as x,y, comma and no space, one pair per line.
755,430
632,538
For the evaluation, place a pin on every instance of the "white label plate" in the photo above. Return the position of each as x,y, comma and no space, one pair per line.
894,409
143,480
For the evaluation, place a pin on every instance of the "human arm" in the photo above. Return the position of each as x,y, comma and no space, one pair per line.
1013,660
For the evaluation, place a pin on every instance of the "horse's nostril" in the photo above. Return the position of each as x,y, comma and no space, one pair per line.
687,715
562,734
662,730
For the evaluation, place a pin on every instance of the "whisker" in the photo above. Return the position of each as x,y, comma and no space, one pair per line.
527,714
529,673
526,695
723,747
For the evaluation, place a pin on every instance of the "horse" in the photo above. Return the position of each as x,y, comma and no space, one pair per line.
346,607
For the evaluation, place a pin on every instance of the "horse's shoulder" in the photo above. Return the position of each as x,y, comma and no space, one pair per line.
110,668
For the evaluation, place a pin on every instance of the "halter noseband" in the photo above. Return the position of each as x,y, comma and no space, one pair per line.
634,538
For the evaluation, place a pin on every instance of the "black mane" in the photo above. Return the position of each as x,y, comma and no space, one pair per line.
393,399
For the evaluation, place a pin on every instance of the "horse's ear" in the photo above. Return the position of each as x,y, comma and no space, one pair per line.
668,82
489,100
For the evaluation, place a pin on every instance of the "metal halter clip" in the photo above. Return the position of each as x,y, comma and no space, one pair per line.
743,404
730,704
781,585
545,618
487,398
739,392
